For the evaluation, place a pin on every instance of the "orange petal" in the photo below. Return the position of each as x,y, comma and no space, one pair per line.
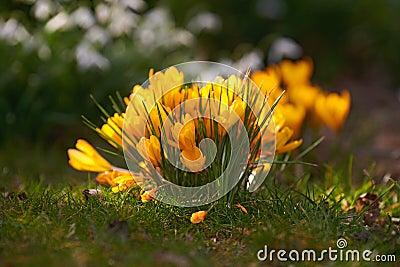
241,208
198,217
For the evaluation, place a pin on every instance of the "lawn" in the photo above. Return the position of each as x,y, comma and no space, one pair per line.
52,221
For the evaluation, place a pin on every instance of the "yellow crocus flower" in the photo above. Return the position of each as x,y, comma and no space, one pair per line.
123,181
117,177
267,80
296,73
172,98
147,196
185,135
239,107
160,83
294,116
303,95
86,158
193,159
333,109
222,90
283,135
150,150
157,116
107,177
283,143
112,130
133,128
225,116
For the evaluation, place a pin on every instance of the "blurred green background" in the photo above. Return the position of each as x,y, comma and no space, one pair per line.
54,54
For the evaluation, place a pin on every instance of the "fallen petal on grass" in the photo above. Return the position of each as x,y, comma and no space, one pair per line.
198,217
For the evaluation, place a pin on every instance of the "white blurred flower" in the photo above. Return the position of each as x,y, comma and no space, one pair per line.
87,57
61,21
206,21
137,5
42,9
102,13
44,52
284,48
83,17
157,29
122,20
13,32
252,60
96,34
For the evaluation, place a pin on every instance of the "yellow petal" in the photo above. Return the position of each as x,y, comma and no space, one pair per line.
150,150
119,188
303,95
158,115
293,116
267,80
192,154
241,208
239,107
86,158
142,148
148,195
155,151
107,177
193,159
198,217
296,73
283,136
333,109
279,120
187,136
289,146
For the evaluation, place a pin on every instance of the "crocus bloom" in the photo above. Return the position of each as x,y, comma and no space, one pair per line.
304,95
198,217
269,81
119,179
294,116
283,143
187,136
222,89
161,82
296,73
192,157
107,177
148,195
157,116
122,182
172,98
86,158
333,109
150,150
112,130
283,135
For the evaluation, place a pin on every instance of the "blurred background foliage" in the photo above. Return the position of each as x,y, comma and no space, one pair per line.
54,54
